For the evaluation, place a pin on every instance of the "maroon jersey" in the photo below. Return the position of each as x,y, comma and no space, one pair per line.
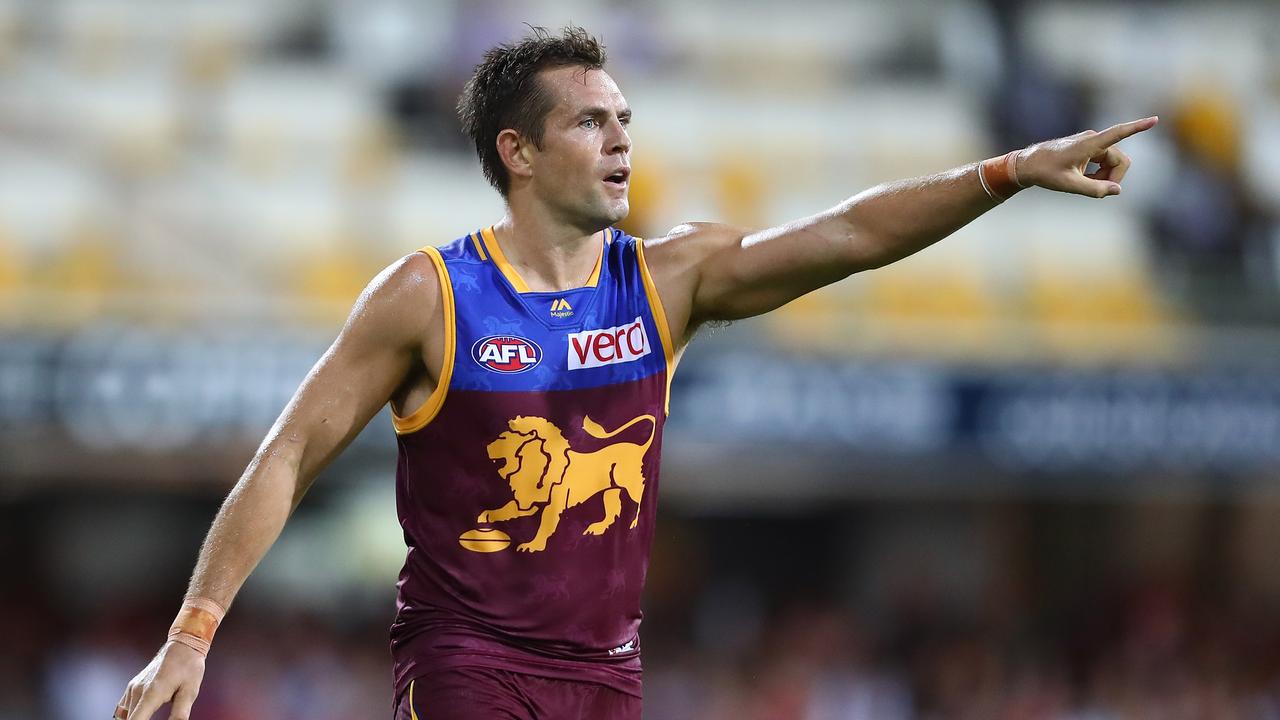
527,483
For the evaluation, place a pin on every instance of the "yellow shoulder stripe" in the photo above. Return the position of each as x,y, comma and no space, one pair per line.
595,271
660,318
419,418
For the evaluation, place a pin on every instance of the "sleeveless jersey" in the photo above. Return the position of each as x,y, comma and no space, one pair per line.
527,483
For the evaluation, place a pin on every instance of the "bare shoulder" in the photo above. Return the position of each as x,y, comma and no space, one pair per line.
408,279
685,247
692,239
400,302
677,261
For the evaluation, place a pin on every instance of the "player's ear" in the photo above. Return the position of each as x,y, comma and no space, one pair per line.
516,153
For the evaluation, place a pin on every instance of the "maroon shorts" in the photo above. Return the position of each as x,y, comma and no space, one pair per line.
476,693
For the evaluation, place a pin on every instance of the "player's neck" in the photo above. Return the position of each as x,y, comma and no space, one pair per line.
547,254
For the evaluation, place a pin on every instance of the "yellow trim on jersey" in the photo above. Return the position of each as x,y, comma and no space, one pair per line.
475,239
500,259
419,418
517,282
595,271
659,318
413,713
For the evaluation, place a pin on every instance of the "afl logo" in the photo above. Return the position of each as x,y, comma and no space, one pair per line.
506,353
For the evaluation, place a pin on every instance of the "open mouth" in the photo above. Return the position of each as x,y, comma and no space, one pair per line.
619,178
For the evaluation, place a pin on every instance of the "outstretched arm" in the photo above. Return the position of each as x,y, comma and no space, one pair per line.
371,357
717,272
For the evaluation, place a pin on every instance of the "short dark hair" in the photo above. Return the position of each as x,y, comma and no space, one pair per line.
504,91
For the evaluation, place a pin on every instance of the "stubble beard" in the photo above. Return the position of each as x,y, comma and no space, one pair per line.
597,213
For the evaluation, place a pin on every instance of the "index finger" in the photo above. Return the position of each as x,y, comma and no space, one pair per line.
1116,133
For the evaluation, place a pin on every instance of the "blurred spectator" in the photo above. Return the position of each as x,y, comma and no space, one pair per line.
1206,227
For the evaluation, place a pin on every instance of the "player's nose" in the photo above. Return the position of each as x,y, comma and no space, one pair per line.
619,140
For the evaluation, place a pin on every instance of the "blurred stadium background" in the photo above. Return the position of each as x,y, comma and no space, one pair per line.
1029,473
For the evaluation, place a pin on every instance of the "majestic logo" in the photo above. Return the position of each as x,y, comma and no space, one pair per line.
506,353
560,308
548,477
593,348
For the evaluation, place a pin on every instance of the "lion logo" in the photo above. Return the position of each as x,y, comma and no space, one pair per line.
548,476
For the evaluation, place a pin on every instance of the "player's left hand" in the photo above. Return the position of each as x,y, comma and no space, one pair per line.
1060,164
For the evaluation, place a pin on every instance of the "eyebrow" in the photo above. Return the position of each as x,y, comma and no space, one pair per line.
599,110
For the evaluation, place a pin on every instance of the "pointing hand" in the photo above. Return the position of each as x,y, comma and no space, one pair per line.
1060,164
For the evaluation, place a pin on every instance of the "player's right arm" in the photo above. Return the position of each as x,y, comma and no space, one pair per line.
390,340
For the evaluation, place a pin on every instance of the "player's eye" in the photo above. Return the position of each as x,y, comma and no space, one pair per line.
589,123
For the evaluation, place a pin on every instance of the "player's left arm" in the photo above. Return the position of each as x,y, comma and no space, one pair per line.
717,272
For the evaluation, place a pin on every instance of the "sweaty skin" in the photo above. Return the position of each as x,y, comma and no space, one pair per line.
391,348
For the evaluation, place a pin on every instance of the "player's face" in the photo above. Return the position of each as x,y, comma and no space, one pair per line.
583,170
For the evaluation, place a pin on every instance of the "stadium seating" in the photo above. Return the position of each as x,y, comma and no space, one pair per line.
231,166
